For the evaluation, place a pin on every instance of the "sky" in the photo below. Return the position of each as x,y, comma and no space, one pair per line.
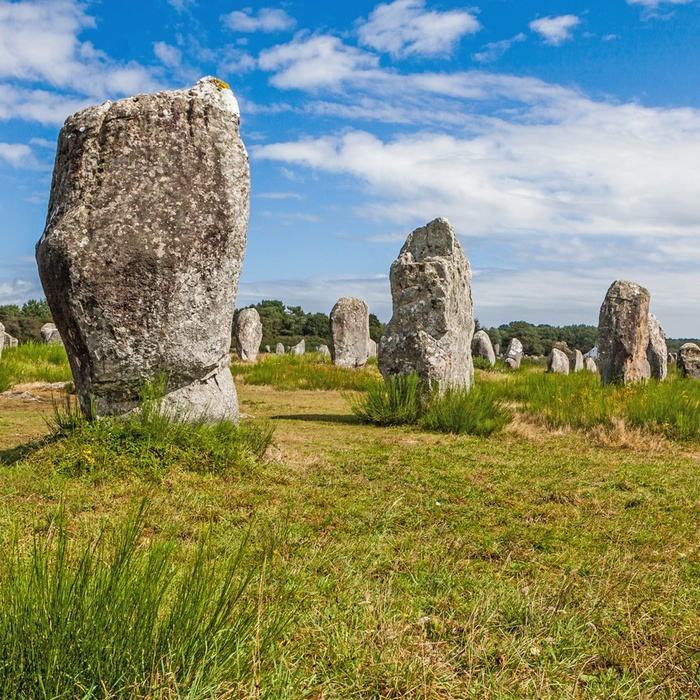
560,139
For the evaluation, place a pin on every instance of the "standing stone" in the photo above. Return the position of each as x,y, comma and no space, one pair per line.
279,349
249,333
372,348
481,347
143,248
432,325
656,350
2,338
590,365
50,334
497,349
623,334
557,362
689,360
267,349
299,348
10,341
349,322
576,362
323,350
514,353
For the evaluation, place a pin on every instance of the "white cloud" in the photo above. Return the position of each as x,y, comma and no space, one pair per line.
314,61
267,20
168,55
495,49
555,30
18,155
405,28
40,106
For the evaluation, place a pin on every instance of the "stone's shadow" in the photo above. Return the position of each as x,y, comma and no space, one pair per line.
319,418
12,455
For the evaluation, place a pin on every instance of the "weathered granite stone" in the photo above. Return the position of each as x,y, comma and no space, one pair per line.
590,365
279,349
299,348
657,350
371,348
10,341
349,323
432,325
50,334
689,360
576,362
323,350
249,333
557,362
514,353
497,349
267,349
481,347
143,248
2,338
623,334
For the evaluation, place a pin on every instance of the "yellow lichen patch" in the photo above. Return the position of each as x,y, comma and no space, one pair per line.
220,84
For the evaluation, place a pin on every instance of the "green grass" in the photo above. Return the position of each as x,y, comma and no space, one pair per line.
309,371
33,362
120,617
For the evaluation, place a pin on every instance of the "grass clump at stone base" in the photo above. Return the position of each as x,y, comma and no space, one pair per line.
33,362
407,400
310,371
122,617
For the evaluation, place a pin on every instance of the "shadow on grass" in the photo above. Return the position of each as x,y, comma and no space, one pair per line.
320,418
12,455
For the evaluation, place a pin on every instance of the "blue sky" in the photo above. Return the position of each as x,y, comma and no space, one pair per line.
561,139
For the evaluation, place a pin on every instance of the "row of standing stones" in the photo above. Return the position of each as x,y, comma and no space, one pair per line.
143,248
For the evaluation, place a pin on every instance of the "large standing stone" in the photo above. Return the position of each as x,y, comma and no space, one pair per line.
481,347
10,341
2,338
299,348
557,362
143,248
657,351
323,350
576,362
514,353
372,348
349,321
249,332
590,365
50,334
688,360
623,334
279,349
432,325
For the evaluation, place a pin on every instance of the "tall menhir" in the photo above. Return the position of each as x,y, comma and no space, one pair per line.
143,248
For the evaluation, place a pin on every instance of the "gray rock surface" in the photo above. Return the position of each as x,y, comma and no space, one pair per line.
688,360
557,362
10,341
249,332
623,334
576,362
590,365
299,348
481,347
349,323
279,349
50,334
143,248
323,350
2,338
656,350
267,349
514,353
431,329
372,348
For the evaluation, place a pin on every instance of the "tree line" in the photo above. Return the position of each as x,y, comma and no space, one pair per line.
540,339
25,322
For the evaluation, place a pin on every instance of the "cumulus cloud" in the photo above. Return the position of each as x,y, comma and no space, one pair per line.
266,20
314,61
18,155
168,55
555,30
42,106
405,28
495,49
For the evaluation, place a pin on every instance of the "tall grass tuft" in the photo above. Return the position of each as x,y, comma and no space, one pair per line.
33,362
121,617
398,401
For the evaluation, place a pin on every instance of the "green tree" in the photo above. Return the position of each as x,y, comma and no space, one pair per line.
37,309
376,328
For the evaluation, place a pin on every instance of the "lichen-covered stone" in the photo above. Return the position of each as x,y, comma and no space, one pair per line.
2,338
576,361
349,325
143,248
481,347
590,365
299,348
371,348
249,332
688,360
657,351
323,350
279,349
431,329
557,362
10,341
623,334
50,334
514,353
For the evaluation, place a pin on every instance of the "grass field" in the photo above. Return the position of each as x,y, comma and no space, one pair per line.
553,559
